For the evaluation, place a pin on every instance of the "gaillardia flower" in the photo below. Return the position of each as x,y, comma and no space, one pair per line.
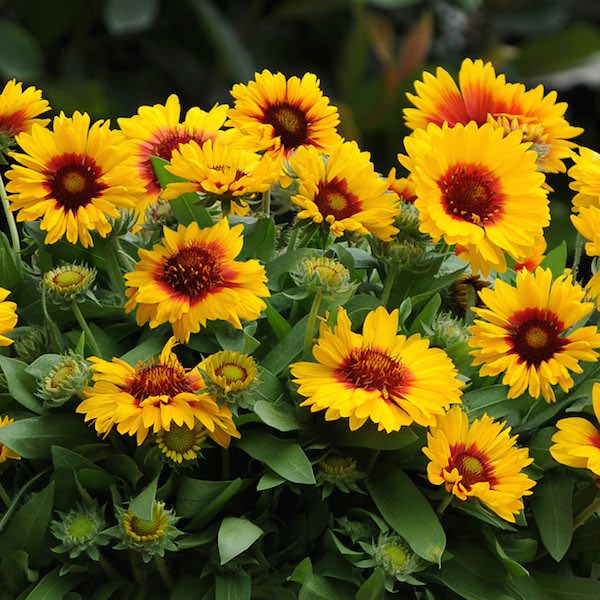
182,443
5,452
8,317
74,177
284,114
586,179
488,198
156,131
379,375
229,372
577,441
484,97
152,396
478,461
19,109
193,278
526,332
344,192
69,282
221,168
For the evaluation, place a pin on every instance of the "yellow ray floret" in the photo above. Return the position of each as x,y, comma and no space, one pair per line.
8,317
20,108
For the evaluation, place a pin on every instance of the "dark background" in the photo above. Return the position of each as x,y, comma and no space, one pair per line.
108,57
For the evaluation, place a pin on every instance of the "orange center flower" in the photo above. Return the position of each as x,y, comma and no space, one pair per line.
471,193
159,380
472,466
535,335
193,272
333,198
288,122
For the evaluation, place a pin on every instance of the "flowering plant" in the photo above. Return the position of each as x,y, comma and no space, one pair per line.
239,362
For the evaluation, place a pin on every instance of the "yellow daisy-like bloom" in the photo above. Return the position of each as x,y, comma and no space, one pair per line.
577,441
181,443
344,192
19,109
390,379
8,317
284,114
484,97
193,278
74,177
478,461
221,168
5,452
230,371
587,223
156,131
488,198
527,333
586,179
152,396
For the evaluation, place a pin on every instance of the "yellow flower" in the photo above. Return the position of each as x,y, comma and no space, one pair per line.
221,168
5,452
527,333
152,397
577,441
182,443
193,278
231,372
344,192
74,177
488,198
19,109
484,97
156,131
587,223
586,179
390,379
478,461
284,114
8,317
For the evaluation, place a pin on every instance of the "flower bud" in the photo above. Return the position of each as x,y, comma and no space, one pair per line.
325,274
32,343
68,282
395,557
65,379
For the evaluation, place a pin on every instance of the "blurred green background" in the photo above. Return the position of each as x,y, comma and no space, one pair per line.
108,57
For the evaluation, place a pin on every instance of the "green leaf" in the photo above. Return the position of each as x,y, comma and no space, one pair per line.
373,588
67,459
268,481
338,433
564,587
10,272
32,438
317,587
526,588
143,503
27,529
15,570
284,264
54,586
287,350
21,385
259,240
231,585
20,53
279,326
42,365
132,16
146,350
186,207
284,457
424,318
278,415
407,511
235,536
553,512
556,259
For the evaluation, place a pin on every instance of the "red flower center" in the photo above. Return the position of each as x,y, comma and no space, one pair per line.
73,180
333,198
535,335
193,271
159,380
471,193
471,464
289,123
170,141
373,369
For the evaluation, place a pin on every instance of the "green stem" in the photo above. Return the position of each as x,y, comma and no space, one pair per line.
312,320
161,567
10,219
390,277
293,237
15,502
372,460
109,569
266,202
5,497
444,504
586,513
579,241
89,336
306,237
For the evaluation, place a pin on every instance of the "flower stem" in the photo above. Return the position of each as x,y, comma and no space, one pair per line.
312,320
586,513
578,252
390,277
306,237
5,497
293,237
266,202
10,219
161,567
444,504
89,336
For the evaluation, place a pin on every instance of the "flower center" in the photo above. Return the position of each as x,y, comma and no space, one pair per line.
289,123
146,530
394,554
180,439
193,272
232,372
159,380
472,466
471,193
68,278
372,369
73,180
82,528
170,141
333,198
535,335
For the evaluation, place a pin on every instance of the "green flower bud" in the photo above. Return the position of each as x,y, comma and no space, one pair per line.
68,282
181,444
464,293
326,274
65,379
32,343
81,531
159,214
339,471
395,557
446,330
